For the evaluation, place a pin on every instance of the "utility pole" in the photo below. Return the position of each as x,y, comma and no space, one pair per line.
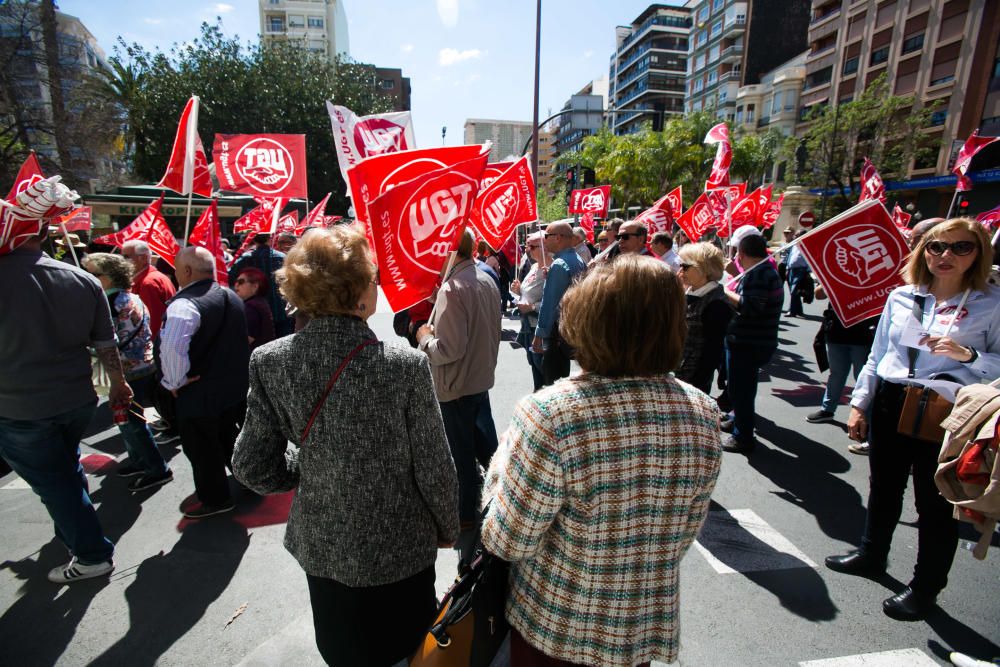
534,125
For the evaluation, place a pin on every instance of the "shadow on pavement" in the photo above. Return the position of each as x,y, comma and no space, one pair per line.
806,470
172,591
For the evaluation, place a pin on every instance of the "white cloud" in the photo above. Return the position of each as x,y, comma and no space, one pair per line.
448,12
449,56
223,8
152,21
406,48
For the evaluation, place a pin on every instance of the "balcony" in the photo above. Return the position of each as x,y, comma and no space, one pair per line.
729,76
825,16
730,54
734,28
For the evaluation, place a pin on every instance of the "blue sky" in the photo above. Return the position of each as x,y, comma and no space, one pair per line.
465,58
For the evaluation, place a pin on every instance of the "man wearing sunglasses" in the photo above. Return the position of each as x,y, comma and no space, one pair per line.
567,265
632,239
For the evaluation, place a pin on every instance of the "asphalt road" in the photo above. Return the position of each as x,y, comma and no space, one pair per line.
754,591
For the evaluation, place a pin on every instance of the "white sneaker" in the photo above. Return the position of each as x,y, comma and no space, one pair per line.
861,448
75,570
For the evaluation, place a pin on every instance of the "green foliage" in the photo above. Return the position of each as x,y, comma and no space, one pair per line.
244,89
551,206
755,154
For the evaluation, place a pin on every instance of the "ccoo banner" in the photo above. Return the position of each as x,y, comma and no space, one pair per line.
262,165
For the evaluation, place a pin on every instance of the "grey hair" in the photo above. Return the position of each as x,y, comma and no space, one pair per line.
140,247
118,269
580,233
199,259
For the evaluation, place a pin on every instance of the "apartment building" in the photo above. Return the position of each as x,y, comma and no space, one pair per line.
509,137
546,157
647,71
318,25
391,83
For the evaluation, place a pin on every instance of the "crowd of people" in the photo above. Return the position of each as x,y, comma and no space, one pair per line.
598,486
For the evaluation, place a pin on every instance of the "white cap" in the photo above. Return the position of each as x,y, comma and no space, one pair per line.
741,233
537,236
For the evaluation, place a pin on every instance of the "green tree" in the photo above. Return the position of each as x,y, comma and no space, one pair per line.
755,154
244,89
551,206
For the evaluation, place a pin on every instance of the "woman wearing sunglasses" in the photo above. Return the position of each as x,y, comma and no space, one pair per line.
529,298
708,313
960,320
252,286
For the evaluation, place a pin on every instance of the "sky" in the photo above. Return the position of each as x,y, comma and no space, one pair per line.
465,58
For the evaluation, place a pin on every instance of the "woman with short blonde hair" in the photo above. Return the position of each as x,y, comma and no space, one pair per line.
708,313
570,485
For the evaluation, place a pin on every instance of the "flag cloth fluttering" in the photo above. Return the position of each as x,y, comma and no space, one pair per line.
208,235
187,170
972,145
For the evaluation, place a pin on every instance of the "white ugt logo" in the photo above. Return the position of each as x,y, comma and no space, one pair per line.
863,252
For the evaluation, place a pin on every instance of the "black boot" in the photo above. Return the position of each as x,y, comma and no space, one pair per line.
909,605
857,563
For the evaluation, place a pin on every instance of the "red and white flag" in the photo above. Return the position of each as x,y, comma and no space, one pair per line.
763,201
415,226
260,219
138,229
872,186
287,223
591,200
769,215
990,218
746,211
492,172
315,217
208,235
856,256
587,224
508,201
697,219
358,137
972,145
723,156
901,219
161,240
718,134
660,216
77,220
243,247
187,170
263,165
331,220
15,230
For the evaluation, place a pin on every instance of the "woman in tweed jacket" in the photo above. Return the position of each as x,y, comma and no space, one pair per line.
603,480
376,490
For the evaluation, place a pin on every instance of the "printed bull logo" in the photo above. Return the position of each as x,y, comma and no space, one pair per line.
499,208
266,164
432,216
592,201
863,256
377,136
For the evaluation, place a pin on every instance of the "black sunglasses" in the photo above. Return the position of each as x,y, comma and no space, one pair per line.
958,248
628,235
685,267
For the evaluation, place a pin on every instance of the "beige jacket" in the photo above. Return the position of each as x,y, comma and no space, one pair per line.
463,349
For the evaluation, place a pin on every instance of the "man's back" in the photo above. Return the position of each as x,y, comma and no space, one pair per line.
757,317
52,312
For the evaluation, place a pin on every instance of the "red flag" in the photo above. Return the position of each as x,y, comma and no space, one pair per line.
746,210
770,214
331,220
990,218
723,156
187,170
415,226
508,201
138,229
587,223
856,256
261,218
14,230
660,216
161,240
972,145
207,234
763,201
77,220
718,134
287,223
264,165
492,172
901,219
591,200
315,217
357,138
697,219
872,186
510,250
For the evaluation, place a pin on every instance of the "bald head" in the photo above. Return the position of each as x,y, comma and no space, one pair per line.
921,228
193,264
558,237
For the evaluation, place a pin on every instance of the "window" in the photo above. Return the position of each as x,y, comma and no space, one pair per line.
699,85
716,29
739,114
717,5
939,117
776,105
296,21
750,110
741,18
879,56
712,77
386,84
850,65
944,79
275,24
703,14
315,21
913,43
702,36
722,96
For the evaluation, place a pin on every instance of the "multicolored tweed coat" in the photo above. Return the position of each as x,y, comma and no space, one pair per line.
598,490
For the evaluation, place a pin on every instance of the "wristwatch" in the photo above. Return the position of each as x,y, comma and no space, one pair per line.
975,355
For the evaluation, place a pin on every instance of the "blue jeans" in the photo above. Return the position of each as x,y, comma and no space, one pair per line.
795,303
743,364
46,454
472,437
842,357
139,443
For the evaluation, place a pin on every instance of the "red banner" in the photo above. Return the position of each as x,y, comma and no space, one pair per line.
587,223
138,229
745,211
719,177
972,145
592,200
77,220
260,219
161,240
287,223
990,218
508,201
315,217
14,231
763,201
415,226
856,256
661,215
872,186
493,171
357,138
187,170
263,165
901,219
770,214
207,234
697,219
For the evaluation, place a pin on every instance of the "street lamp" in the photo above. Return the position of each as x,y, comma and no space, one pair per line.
444,130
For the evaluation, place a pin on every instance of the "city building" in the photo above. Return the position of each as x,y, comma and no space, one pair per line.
509,137
943,50
735,43
648,68
546,156
582,116
391,83
318,25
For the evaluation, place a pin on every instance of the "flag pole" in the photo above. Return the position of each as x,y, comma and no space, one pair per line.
72,250
951,206
187,222
451,263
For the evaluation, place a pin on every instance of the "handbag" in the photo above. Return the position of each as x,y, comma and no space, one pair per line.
923,409
819,349
470,626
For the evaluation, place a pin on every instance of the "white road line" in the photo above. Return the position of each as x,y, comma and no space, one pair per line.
907,657
740,541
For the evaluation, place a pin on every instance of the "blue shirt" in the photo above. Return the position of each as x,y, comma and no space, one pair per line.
977,327
796,260
566,266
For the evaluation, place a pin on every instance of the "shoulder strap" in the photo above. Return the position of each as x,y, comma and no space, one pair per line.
918,313
329,386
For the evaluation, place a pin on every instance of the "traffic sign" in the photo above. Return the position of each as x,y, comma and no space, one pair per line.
807,219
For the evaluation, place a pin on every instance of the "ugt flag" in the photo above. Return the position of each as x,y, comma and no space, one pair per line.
972,145
137,229
187,170
417,224
697,219
260,219
990,218
723,156
508,201
357,137
591,200
161,240
207,234
262,165
492,172
856,256
872,186
660,216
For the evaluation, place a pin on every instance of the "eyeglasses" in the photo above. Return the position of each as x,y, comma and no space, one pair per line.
551,234
685,267
375,280
624,236
958,248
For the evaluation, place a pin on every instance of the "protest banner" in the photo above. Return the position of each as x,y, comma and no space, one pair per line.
901,219
207,234
77,220
770,214
161,240
719,176
492,172
315,217
990,218
137,229
697,219
872,186
260,219
287,223
591,200
263,165
508,201
972,145
660,216
357,138
187,171
587,224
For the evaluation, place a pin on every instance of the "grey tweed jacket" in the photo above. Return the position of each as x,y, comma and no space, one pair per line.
376,484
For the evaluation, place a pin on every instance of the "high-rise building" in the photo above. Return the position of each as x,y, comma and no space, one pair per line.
734,43
318,25
546,157
509,137
647,71
391,83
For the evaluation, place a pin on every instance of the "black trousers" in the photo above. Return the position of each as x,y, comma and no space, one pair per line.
555,362
891,458
371,626
208,444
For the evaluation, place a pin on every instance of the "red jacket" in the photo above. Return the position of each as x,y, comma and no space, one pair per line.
155,289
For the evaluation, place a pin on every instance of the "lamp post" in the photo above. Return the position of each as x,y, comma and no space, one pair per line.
444,130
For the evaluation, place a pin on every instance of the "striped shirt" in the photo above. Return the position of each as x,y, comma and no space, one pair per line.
598,490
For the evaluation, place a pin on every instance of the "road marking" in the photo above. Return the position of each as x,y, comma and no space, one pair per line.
907,657
740,541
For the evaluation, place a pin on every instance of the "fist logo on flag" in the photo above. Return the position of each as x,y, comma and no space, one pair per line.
375,136
593,201
432,215
496,210
266,164
862,258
